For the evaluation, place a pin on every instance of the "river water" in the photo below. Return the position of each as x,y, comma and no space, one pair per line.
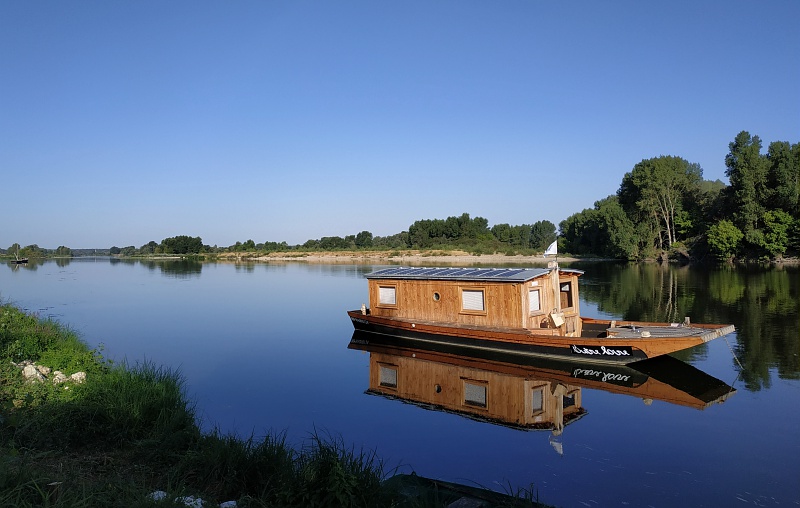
264,348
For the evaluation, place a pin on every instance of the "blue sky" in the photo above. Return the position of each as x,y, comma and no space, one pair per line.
129,121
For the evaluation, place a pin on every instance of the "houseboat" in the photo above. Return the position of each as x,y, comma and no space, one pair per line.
528,311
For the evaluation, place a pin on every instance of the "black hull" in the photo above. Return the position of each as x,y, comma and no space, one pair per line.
476,344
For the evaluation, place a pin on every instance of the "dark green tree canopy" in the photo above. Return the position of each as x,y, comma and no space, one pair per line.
654,192
182,245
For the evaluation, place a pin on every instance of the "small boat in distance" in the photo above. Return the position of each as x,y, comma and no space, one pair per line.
528,311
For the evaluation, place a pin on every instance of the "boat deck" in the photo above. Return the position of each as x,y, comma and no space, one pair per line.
665,332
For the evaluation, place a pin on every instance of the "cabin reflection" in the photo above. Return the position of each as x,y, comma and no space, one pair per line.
521,392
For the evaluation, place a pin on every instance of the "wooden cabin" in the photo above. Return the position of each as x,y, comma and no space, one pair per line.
484,393
530,298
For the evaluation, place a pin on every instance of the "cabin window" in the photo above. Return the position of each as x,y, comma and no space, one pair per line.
569,400
537,400
475,394
566,295
534,301
472,300
387,376
387,295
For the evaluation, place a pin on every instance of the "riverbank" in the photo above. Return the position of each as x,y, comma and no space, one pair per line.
123,433
409,257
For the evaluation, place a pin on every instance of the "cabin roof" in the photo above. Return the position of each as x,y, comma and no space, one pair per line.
465,274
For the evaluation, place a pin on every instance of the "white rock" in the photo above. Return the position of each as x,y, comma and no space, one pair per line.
190,501
58,377
157,495
30,373
78,377
228,504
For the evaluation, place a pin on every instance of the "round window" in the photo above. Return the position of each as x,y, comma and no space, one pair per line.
436,297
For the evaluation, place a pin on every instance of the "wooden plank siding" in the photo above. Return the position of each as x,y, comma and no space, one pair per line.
509,398
506,304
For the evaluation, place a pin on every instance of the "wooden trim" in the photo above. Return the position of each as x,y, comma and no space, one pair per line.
540,310
474,382
474,312
386,305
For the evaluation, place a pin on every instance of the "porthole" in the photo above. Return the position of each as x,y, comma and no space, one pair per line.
436,297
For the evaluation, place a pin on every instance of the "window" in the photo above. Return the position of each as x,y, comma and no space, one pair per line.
387,376
537,400
387,295
472,300
534,301
566,295
569,400
474,394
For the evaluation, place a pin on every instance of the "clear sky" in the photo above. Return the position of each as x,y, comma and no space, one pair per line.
128,121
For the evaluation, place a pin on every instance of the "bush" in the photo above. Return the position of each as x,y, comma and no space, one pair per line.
724,239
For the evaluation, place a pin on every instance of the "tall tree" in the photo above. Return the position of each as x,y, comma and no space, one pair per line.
363,239
748,193
543,233
655,190
783,178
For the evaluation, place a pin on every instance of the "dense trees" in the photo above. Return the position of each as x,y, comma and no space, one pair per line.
653,194
762,199
182,245
668,207
604,230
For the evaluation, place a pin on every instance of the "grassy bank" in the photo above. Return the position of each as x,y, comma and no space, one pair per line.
129,430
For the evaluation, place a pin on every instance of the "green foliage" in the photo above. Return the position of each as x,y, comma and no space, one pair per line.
25,337
776,232
329,474
747,170
123,405
603,231
655,190
724,239
543,233
783,179
454,231
182,245
32,251
148,248
363,240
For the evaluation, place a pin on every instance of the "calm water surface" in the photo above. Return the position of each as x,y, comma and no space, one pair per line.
263,349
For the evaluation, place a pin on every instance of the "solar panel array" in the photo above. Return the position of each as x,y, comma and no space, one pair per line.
472,274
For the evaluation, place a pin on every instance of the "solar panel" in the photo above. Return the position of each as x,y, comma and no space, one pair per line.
466,274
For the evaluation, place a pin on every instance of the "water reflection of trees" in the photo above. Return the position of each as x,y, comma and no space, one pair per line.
177,268
761,301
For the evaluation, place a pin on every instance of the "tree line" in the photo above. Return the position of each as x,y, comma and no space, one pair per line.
33,251
664,207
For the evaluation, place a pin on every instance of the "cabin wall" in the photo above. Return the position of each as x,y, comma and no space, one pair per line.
508,305
510,399
416,299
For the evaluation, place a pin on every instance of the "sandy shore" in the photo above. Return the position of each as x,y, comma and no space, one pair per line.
413,258
408,257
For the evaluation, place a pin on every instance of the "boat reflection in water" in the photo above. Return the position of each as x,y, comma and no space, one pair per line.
522,392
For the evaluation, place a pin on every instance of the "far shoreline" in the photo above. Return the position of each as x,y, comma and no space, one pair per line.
412,257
